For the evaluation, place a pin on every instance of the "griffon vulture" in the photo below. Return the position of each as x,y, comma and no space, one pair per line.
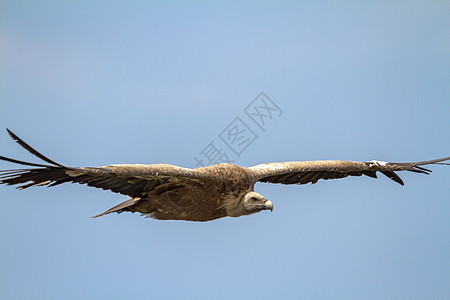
167,192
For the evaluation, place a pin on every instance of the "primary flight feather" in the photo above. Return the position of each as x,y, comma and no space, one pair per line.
168,192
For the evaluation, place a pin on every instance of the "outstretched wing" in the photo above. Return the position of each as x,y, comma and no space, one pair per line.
132,180
303,172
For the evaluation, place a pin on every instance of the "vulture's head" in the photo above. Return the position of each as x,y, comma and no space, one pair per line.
254,202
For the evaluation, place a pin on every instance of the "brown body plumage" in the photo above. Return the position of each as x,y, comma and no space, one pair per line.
168,192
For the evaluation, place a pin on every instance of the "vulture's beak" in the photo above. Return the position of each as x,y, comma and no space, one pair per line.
268,205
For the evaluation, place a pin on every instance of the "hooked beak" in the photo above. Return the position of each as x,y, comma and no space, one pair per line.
268,205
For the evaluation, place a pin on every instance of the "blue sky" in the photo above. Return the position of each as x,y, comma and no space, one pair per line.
90,84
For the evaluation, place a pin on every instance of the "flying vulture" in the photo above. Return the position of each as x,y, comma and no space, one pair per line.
168,192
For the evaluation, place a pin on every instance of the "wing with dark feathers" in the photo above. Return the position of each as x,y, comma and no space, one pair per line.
303,172
132,180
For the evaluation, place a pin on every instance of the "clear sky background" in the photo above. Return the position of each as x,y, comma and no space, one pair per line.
90,84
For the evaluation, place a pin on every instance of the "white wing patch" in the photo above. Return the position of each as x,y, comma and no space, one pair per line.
375,163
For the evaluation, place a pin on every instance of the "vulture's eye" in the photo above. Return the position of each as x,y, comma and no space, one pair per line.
254,199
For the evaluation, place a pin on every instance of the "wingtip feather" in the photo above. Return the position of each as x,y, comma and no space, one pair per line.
31,150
